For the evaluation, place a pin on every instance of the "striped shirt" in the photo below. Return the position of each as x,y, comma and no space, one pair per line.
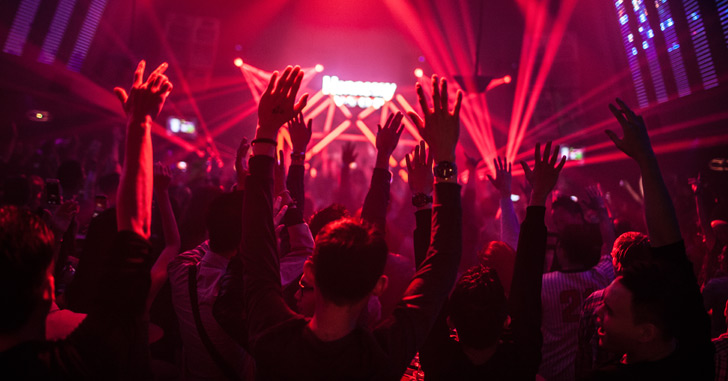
562,296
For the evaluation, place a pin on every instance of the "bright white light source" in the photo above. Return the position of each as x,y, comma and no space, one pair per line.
238,62
319,68
419,73
182,166
515,197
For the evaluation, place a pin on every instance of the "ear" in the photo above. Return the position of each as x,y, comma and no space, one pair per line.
507,322
308,272
380,286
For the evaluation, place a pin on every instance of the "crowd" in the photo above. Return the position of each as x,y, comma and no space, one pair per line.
153,278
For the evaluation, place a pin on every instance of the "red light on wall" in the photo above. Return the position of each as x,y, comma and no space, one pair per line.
238,62
419,73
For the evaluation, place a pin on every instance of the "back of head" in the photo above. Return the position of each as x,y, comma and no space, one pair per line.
326,216
581,244
501,257
566,203
478,307
659,296
224,221
348,259
630,249
26,252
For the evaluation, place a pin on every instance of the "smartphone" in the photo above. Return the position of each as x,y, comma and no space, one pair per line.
53,192
100,204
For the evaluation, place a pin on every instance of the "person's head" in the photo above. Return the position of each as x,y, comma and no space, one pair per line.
641,309
579,246
26,279
326,216
630,249
225,222
71,176
720,229
501,257
347,263
565,211
37,190
478,308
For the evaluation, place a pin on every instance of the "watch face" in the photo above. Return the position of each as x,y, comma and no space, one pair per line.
445,170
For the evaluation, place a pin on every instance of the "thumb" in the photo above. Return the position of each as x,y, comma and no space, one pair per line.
617,142
416,120
121,95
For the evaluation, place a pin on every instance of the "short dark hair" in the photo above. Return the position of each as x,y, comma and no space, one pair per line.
659,295
225,221
326,216
581,244
26,253
478,307
566,203
348,259
629,249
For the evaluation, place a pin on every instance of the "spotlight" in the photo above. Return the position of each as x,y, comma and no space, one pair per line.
182,166
419,73
38,115
313,172
238,62
319,68
507,79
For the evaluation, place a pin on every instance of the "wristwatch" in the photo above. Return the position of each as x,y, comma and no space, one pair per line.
445,170
420,199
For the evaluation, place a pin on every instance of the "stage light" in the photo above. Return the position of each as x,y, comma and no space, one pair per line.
238,62
313,172
38,116
352,165
182,166
507,79
419,73
319,68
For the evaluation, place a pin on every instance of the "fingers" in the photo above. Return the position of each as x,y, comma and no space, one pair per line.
271,83
546,152
526,171
408,161
281,85
121,95
613,137
554,156
561,164
397,125
436,100
424,160
458,102
166,88
618,114
417,121
491,179
537,154
444,95
296,82
421,98
388,123
509,167
301,104
139,73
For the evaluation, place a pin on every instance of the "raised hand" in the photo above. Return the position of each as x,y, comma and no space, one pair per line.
348,154
419,167
635,142
387,138
545,173
502,180
595,199
276,105
440,127
300,132
162,177
145,98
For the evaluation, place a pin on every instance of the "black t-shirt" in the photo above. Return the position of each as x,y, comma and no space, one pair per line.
112,341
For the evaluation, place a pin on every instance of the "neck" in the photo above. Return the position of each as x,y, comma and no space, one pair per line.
479,356
331,322
651,352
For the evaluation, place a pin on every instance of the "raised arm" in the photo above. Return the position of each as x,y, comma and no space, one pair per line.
525,297
416,314
264,303
241,164
142,104
300,132
420,179
172,242
502,182
374,210
660,214
344,193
